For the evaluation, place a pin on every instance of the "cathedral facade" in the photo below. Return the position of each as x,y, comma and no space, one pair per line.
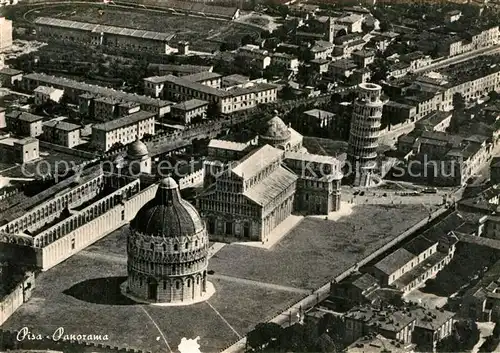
248,198
167,250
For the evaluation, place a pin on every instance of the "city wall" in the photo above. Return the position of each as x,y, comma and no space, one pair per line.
11,302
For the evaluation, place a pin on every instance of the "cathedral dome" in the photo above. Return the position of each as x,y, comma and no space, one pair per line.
137,149
276,129
167,215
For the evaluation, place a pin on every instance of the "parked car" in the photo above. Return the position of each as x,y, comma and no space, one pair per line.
429,191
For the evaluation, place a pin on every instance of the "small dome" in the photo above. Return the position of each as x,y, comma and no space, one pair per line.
169,183
137,149
276,129
167,215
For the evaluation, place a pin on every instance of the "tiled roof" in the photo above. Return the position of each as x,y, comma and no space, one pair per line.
93,89
268,189
227,145
432,319
10,72
394,261
124,121
24,116
62,125
254,162
190,104
202,76
92,27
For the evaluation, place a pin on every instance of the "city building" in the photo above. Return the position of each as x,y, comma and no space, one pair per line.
206,78
452,16
445,159
376,343
482,301
261,57
317,122
363,58
24,124
177,70
321,50
123,131
61,133
228,100
400,112
495,170
353,22
10,77
5,34
432,326
44,94
226,151
358,289
167,250
287,61
189,110
422,258
83,94
249,197
22,151
435,121
394,324
111,37
364,134
106,108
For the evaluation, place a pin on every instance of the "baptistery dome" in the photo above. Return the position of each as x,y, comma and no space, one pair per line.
275,133
168,215
167,250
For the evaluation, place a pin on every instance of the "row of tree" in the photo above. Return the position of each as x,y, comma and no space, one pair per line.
323,336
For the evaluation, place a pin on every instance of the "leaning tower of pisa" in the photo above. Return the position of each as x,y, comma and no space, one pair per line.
364,134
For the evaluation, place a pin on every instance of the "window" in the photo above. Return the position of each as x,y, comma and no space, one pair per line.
152,246
73,244
164,285
176,247
177,285
187,245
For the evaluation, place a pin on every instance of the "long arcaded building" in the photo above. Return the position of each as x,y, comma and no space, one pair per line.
103,36
364,135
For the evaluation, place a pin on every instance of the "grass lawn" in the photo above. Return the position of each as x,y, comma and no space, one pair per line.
82,295
323,146
317,250
47,164
204,34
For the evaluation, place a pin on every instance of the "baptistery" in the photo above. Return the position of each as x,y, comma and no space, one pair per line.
167,250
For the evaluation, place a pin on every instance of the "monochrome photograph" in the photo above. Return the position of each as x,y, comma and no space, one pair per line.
240,176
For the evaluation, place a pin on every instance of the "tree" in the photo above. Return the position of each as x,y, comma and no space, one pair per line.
458,102
385,26
332,325
466,335
247,39
493,95
263,334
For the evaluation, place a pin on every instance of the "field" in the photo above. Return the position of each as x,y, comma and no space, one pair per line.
204,34
82,295
318,250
